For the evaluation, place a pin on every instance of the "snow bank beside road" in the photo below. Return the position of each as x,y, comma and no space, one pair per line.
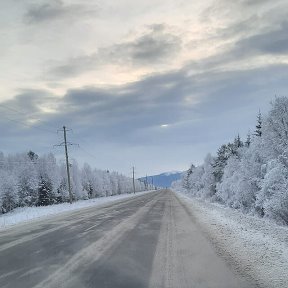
20,215
254,246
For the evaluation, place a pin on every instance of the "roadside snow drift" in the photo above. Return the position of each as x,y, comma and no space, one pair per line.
20,215
254,246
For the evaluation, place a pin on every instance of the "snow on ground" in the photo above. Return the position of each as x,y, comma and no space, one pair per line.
253,246
20,215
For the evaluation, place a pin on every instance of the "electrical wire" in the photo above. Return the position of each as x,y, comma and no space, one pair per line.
27,125
45,123
88,153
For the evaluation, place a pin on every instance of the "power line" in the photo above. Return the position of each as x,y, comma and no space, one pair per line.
27,125
84,150
88,153
25,113
46,123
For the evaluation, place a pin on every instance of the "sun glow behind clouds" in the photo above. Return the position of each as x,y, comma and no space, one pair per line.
164,125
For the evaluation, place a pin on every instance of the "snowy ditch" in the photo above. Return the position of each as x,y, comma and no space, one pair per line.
253,246
26,214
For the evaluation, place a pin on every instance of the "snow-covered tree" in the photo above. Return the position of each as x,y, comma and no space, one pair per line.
8,191
186,176
27,181
87,178
76,187
208,178
248,140
258,131
49,180
251,177
223,154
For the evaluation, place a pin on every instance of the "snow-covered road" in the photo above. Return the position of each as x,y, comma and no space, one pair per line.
147,241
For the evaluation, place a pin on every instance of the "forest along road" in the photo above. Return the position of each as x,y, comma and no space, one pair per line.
146,241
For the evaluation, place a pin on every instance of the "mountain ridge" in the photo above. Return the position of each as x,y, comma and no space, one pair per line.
164,179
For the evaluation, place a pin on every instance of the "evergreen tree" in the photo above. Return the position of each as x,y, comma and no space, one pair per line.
45,195
258,131
223,154
248,141
27,180
32,156
185,181
8,192
238,142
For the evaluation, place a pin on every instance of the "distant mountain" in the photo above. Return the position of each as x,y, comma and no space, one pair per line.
163,179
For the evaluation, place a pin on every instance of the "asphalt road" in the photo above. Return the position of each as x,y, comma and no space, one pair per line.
146,241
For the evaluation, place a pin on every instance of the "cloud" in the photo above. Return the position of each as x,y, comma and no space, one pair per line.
202,111
254,2
154,47
248,16
132,114
271,42
255,50
55,10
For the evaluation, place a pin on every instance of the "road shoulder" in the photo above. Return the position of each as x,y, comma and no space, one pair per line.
252,246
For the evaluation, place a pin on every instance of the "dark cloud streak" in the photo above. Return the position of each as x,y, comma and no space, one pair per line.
150,49
125,114
271,42
55,10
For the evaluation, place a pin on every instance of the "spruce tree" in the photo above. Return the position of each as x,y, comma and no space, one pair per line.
186,184
238,142
248,140
258,131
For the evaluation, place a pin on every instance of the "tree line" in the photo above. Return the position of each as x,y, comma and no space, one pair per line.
27,179
250,175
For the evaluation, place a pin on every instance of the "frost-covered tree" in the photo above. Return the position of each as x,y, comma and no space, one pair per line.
62,194
27,181
275,128
114,183
248,140
45,194
49,180
251,177
76,187
8,192
87,181
274,191
258,131
208,179
186,176
237,143
227,188
223,154
242,178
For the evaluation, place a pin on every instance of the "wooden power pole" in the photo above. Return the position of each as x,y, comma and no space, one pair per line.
134,180
67,165
65,144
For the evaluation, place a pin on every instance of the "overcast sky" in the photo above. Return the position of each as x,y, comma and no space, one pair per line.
151,83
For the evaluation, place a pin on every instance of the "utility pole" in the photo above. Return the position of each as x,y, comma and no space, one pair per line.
65,144
134,180
146,182
67,165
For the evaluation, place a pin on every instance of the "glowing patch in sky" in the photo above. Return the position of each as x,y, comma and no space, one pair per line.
164,125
